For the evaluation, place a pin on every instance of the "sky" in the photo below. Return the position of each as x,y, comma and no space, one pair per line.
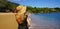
38,3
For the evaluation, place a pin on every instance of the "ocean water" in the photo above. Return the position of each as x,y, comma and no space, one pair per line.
45,21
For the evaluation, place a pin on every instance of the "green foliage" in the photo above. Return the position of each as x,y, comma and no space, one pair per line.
3,3
6,5
42,10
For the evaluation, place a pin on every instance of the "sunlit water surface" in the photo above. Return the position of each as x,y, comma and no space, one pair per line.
45,21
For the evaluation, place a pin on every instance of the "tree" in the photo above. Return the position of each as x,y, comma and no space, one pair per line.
6,5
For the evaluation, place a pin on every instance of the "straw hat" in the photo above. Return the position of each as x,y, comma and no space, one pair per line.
21,9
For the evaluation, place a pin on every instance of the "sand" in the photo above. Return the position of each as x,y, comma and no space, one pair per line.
8,21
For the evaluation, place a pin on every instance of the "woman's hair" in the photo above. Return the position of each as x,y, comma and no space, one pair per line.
20,14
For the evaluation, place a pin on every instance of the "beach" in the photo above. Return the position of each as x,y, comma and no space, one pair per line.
8,21
38,21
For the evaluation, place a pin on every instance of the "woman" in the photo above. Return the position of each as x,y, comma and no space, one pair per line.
21,18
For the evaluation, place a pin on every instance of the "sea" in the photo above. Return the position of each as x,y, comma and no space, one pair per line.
45,21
